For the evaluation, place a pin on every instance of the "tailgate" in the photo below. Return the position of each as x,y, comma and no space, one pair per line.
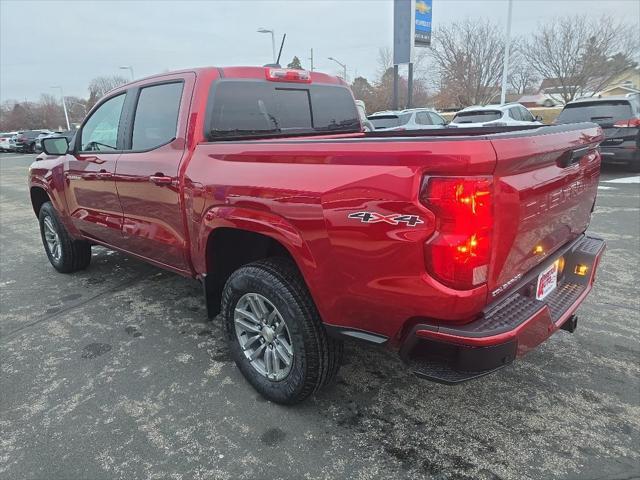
545,188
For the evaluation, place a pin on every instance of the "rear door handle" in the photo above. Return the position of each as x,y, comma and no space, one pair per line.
161,179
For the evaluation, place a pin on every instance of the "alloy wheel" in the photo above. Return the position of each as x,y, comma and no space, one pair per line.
52,238
263,336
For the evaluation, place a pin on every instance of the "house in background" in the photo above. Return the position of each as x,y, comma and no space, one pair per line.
627,82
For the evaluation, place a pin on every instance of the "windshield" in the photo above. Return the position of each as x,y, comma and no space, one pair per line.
258,109
477,116
389,121
604,113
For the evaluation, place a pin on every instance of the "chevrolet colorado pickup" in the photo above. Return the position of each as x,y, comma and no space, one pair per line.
461,250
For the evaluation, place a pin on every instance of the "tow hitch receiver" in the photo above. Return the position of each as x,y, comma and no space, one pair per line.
571,324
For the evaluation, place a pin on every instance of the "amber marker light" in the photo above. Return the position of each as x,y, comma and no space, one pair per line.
581,270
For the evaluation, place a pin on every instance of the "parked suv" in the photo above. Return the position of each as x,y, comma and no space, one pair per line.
494,116
619,117
410,119
26,140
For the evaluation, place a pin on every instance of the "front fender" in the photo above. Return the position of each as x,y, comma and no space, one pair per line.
49,176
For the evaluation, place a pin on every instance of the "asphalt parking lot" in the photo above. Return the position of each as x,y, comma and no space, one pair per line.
115,373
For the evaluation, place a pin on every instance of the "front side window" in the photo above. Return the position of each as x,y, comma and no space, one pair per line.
422,118
156,117
100,133
437,119
514,113
527,116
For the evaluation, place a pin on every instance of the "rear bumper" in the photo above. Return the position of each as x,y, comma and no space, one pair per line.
627,153
508,328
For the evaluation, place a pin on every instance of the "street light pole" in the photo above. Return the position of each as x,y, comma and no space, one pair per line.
505,66
130,68
273,40
344,68
64,106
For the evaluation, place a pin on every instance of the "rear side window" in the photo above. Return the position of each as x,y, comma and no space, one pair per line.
156,117
257,109
477,116
603,112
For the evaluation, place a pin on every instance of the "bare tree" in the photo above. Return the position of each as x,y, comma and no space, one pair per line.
468,56
582,55
101,85
522,76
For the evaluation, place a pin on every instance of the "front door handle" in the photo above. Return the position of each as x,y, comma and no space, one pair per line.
160,179
103,174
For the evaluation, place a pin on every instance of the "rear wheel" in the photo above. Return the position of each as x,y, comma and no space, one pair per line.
65,254
634,167
275,333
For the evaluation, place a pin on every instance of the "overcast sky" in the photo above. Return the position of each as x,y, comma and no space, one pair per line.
45,43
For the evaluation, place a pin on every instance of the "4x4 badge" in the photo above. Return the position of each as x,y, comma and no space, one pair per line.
393,219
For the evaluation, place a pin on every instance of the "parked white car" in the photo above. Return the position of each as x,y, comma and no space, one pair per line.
367,126
494,116
410,119
6,145
541,100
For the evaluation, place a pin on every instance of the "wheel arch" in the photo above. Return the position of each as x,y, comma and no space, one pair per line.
39,196
234,237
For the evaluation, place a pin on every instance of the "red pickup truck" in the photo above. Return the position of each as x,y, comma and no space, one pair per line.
460,249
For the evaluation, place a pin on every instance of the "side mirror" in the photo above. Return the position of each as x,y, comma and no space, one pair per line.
537,118
55,145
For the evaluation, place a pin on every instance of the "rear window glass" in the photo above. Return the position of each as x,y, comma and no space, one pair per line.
477,116
389,121
258,109
599,112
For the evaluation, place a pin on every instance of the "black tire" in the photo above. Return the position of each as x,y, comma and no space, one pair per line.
634,167
316,357
73,254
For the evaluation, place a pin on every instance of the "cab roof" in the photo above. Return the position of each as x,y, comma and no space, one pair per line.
245,72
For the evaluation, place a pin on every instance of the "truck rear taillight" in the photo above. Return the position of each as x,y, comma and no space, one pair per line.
632,122
458,253
287,75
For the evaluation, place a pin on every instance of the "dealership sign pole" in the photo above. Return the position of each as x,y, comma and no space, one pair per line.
505,65
411,26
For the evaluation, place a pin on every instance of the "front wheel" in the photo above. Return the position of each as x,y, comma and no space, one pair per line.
275,333
65,254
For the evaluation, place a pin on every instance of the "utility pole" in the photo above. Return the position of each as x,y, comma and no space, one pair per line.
64,106
344,68
273,40
311,59
394,106
410,86
507,46
130,68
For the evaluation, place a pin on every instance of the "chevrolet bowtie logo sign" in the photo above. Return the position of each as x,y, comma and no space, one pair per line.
422,7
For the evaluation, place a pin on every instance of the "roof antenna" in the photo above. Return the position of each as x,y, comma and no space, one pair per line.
281,45
277,64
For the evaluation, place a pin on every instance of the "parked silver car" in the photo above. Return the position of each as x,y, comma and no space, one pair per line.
409,119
